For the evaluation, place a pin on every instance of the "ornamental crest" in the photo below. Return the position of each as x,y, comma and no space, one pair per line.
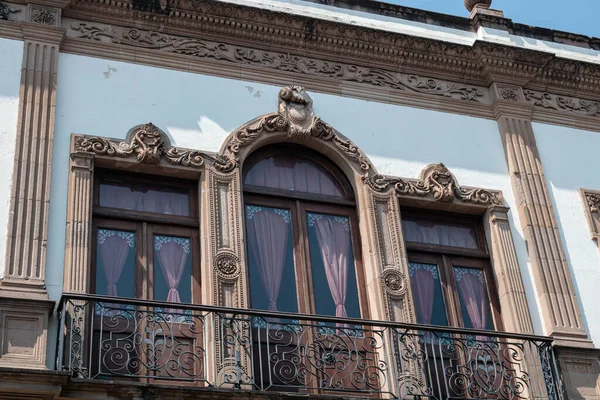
295,108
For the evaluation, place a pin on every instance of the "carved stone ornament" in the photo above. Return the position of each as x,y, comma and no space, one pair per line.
295,117
394,282
5,11
147,142
509,94
227,265
436,181
281,61
562,103
471,4
593,200
44,15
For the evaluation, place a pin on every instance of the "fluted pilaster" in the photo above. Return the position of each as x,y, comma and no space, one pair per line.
30,193
556,294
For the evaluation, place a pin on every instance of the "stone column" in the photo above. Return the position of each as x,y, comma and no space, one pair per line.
30,192
24,304
556,294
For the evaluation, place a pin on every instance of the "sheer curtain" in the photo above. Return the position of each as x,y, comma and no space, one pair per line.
333,235
423,286
471,289
292,174
268,230
172,256
113,248
422,231
156,201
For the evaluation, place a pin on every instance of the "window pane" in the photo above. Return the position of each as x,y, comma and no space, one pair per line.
473,297
427,293
172,269
115,263
148,200
290,173
271,258
332,261
440,233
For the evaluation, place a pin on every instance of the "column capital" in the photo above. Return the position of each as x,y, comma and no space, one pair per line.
34,32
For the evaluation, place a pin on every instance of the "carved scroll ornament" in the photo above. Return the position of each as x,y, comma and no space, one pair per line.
147,143
591,202
296,118
436,181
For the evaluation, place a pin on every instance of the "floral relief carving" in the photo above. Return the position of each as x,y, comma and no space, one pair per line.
562,103
295,117
394,282
509,94
148,144
280,61
45,16
5,11
227,265
436,181
593,200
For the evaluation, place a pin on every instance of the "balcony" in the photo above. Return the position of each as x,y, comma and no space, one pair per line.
103,338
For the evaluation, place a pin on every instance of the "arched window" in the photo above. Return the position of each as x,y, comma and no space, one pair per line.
302,234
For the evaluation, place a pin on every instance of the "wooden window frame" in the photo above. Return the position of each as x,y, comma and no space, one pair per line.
299,204
146,225
448,257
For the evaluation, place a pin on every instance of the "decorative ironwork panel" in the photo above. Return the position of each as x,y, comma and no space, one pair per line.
107,337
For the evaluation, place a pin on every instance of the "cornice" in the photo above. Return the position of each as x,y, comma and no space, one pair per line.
479,64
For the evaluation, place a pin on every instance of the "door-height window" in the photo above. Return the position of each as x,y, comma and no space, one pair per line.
145,238
302,240
450,271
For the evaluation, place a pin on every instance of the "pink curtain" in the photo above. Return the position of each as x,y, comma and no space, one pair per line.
268,233
470,287
423,285
155,201
441,234
172,257
292,174
113,249
333,236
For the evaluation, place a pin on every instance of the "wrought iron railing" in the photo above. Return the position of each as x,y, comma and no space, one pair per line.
109,338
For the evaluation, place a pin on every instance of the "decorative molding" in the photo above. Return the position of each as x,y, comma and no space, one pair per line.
438,182
394,282
509,94
149,145
281,61
43,15
227,265
296,118
591,206
5,11
562,103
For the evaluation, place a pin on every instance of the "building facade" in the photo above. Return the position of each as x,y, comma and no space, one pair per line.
324,199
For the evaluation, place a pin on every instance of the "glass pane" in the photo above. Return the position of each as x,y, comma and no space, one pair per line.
440,233
115,263
148,200
332,261
473,297
427,293
172,269
271,258
290,173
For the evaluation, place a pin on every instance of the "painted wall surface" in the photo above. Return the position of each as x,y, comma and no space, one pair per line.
570,158
107,98
11,54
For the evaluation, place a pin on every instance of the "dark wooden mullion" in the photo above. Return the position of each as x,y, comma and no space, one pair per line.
448,250
452,293
266,191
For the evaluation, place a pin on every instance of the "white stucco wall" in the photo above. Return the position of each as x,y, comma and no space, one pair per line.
570,159
107,98
11,54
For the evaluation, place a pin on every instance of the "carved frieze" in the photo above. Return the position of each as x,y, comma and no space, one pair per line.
5,11
281,61
562,103
147,143
591,203
43,15
438,182
295,117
